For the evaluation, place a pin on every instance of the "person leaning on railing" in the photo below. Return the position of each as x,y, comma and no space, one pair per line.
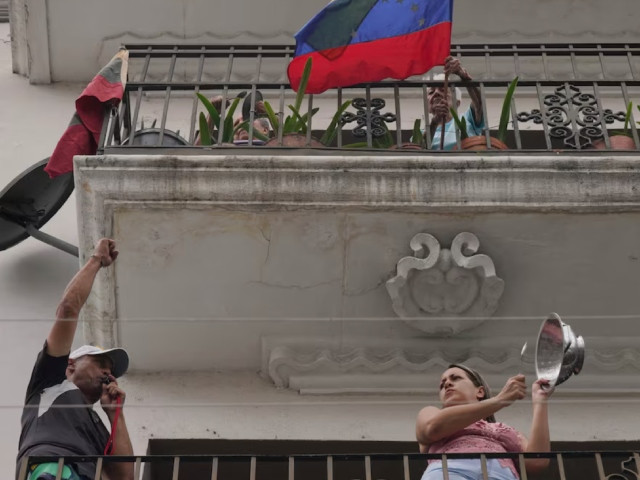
440,102
466,424
58,418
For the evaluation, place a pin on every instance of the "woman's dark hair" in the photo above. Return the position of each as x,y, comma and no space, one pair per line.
478,381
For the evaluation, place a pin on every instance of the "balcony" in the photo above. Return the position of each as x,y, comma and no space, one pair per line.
564,465
283,260
569,98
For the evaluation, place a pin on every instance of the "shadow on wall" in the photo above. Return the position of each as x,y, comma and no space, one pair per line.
31,284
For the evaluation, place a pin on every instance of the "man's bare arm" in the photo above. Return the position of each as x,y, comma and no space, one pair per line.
453,65
75,295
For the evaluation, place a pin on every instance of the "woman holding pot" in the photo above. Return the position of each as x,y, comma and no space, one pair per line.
466,424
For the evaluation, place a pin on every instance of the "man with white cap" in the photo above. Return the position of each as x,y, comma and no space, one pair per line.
58,418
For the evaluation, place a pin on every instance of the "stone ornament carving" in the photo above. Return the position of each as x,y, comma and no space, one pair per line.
437,286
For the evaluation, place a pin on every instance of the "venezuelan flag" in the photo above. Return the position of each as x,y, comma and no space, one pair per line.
358,41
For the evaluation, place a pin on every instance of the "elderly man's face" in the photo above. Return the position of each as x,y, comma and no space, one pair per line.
435,96
257,127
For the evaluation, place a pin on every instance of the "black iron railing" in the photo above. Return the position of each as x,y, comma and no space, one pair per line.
569,97
581,465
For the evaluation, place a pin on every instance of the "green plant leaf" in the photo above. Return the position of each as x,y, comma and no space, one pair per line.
627,119
304,80
213,112
332,130
227,135
416,136
205,136
506,110
460,123
273,118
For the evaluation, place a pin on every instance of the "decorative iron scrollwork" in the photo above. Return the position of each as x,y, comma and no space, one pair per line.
566,106
378,119
628,471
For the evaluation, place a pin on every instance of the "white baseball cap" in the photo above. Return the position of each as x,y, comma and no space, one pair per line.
118,356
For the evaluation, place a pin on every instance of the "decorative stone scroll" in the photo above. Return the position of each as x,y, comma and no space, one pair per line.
445,291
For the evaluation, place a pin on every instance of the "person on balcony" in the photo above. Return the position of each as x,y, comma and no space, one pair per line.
466,424
260,123
58,418
440,103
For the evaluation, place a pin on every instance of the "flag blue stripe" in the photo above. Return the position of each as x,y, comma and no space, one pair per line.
386,19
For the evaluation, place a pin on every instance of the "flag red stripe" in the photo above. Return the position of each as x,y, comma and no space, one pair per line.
396,57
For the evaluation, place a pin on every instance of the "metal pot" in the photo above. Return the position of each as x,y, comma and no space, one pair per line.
559,353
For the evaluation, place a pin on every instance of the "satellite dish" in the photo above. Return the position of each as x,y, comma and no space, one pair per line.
28,202
559,353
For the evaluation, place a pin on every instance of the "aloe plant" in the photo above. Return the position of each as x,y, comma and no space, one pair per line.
416,135
506,110
294,123
627,121
206,137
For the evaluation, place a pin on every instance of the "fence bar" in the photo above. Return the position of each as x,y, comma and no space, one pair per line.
572,115
543,115
636,457
545,64
176,468
329,467
603,123
485,115
454,105
483,466
60,467
396,94
136,111
98,475
252,471
339,124
427,122
487,61
367,467
137,469
225,95
309,115
516,127
405,467
368,116
561,471
291,468
523,467
194,107
601,59
214,469
24,466
631,67
167,96
516,60
632,122
600,467
252,110
445,468
574,67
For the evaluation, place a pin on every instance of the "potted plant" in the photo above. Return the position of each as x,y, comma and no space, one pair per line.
479,142
620,140
416,142
294,126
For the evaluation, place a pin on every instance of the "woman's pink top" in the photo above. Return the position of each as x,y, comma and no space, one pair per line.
482,437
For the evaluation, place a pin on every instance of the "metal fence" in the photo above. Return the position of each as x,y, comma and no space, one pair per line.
583,465
569,97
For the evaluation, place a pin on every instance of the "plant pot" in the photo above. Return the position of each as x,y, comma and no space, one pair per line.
618,142
480,143
294,140
406,146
